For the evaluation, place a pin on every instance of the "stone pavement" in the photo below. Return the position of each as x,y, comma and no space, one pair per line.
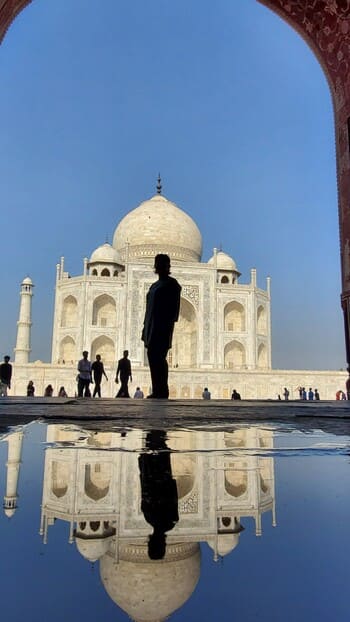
170,413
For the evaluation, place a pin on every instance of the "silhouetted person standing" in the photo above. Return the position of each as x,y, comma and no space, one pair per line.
124,373
84,376
159,498
162,311
5,376
98,371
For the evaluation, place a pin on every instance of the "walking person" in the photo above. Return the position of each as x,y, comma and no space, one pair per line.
98,371
124,373
162,311
310,395
84,376
5,376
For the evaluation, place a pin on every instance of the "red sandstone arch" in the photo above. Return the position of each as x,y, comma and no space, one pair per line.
325,26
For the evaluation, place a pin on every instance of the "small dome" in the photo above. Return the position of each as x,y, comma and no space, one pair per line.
27,281
158,226
223,262
225,544
10,512
104,254
92,549
149,590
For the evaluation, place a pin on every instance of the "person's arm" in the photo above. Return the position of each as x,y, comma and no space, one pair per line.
117,374
103,371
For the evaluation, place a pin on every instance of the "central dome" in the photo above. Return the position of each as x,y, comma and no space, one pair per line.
158,226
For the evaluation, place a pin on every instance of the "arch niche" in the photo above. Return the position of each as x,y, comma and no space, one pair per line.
261,320
234,355
67,349
234,317
325,28
104,311
69,316
105,347
184,348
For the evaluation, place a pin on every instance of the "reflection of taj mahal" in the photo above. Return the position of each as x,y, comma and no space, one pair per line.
98,493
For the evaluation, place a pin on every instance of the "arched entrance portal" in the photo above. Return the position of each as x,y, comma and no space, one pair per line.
325,27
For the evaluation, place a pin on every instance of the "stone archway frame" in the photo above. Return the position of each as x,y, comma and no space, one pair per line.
325,27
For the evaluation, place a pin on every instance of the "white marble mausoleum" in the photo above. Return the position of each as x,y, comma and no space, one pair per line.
222,339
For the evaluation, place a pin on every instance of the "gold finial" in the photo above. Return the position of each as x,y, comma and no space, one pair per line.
159,185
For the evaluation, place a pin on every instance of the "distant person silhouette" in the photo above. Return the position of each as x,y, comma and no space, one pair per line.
5,376
206,395
159,498
310,395
162,311
286,394
138,395
317,395
30,389
98,371
124,373
62,392
235,395
48,391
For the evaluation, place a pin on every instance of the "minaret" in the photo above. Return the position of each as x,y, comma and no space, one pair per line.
13,463
24,323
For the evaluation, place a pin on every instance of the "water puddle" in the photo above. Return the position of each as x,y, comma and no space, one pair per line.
104,522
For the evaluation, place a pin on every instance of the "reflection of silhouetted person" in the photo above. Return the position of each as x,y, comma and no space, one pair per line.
162,311
159,499
124,372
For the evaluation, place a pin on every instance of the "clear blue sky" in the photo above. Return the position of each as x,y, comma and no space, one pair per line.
224,99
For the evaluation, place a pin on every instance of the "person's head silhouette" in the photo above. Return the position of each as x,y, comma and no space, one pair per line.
157,545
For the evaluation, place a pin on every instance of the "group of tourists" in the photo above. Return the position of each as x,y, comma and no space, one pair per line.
309,395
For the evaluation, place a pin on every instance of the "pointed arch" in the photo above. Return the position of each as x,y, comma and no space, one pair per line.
261,320
184,348
234,355
105,347
59,478
262,356
236,479
234,317
97,480
69,315
104,311
68,349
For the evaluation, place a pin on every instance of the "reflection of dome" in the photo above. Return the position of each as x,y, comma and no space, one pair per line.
151,590
104,254
158,226
226,542
10,512
92,549
223,262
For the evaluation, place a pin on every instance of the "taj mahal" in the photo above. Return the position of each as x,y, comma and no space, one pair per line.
222,339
